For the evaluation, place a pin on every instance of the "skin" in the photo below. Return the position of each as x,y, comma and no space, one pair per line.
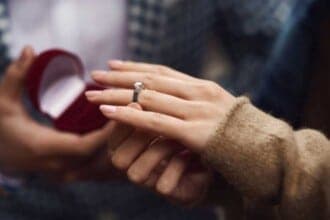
26,145
176,106
163,166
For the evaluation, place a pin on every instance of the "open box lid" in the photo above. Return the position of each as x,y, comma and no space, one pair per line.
55,84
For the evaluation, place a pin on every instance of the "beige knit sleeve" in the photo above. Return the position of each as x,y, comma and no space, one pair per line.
267,161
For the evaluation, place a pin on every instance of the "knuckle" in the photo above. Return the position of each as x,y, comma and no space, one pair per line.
156,120
208,89
185,128
186,137
193,106
214,89
147,96
149,80
162,70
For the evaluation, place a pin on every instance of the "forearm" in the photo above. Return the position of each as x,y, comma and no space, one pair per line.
266,161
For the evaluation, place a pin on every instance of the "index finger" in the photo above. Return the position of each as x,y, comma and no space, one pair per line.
56,143
149,68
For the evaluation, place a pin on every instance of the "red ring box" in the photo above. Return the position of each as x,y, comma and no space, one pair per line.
56,86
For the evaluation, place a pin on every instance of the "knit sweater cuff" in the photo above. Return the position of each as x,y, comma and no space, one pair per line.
244,149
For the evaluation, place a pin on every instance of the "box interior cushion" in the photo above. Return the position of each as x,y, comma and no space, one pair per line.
56,82
61,83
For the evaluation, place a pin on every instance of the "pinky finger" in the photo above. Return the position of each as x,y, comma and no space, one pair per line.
161,124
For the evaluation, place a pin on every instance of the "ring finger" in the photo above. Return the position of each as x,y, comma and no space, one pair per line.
163,84
150,100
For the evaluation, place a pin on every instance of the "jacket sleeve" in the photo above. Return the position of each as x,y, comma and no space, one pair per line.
267,161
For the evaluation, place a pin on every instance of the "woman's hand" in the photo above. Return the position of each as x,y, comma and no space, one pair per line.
26,145
176,105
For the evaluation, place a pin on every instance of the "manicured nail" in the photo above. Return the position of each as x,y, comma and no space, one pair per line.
116,63
92,94
108,109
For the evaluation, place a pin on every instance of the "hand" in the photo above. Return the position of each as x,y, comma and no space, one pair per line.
99,166
162,166
28,146
177,106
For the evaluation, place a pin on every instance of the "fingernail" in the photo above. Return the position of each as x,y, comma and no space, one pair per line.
92,94
108,109
116,63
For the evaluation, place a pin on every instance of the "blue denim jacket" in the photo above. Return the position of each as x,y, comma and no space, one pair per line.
287,75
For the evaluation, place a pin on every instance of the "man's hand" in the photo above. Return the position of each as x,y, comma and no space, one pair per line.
28,146
164,166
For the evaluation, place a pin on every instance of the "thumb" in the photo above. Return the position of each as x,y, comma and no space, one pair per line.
13,81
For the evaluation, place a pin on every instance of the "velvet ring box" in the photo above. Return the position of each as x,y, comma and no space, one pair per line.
56,85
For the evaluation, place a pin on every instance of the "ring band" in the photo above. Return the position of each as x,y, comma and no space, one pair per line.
138,87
